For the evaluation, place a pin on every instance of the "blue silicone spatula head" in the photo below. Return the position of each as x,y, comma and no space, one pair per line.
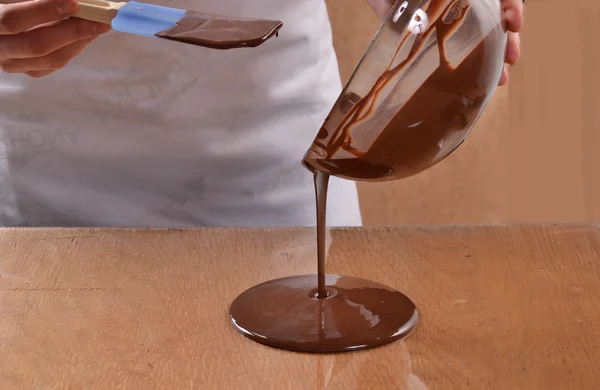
146,19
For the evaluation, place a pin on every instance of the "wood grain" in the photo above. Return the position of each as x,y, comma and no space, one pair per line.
502,308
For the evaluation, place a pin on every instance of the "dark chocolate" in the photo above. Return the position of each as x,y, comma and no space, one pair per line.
357,314
323,313
219,32
321,184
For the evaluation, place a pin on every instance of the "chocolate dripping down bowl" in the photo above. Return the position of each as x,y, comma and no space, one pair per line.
417,92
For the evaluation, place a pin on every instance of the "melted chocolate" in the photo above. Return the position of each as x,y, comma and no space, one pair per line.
357,314
323,313
219,32
321,185
430,124
328,313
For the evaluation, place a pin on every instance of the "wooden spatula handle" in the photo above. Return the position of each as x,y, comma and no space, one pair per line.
98,10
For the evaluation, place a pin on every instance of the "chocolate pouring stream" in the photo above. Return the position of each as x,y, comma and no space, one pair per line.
323,313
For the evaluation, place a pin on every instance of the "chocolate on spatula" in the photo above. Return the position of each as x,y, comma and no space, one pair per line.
219,32
196,28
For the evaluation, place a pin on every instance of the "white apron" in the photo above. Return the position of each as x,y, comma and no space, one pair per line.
147,132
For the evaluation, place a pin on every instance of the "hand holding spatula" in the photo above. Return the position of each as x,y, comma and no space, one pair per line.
192,27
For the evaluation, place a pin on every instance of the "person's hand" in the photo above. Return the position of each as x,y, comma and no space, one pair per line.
512,14
513,21
37,37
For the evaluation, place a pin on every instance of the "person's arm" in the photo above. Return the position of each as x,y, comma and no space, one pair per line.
512,17
37,38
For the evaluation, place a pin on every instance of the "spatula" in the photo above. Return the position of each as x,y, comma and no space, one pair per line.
192,27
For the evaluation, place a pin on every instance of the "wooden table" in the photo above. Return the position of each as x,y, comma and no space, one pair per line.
502,308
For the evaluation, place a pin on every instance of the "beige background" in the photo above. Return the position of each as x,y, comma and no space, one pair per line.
535,154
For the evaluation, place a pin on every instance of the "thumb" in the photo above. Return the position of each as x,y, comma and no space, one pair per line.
21,16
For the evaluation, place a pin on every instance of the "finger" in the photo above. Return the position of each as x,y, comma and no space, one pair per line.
45,40
57,60
40,74
504,77
22,16
513,48
513,14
